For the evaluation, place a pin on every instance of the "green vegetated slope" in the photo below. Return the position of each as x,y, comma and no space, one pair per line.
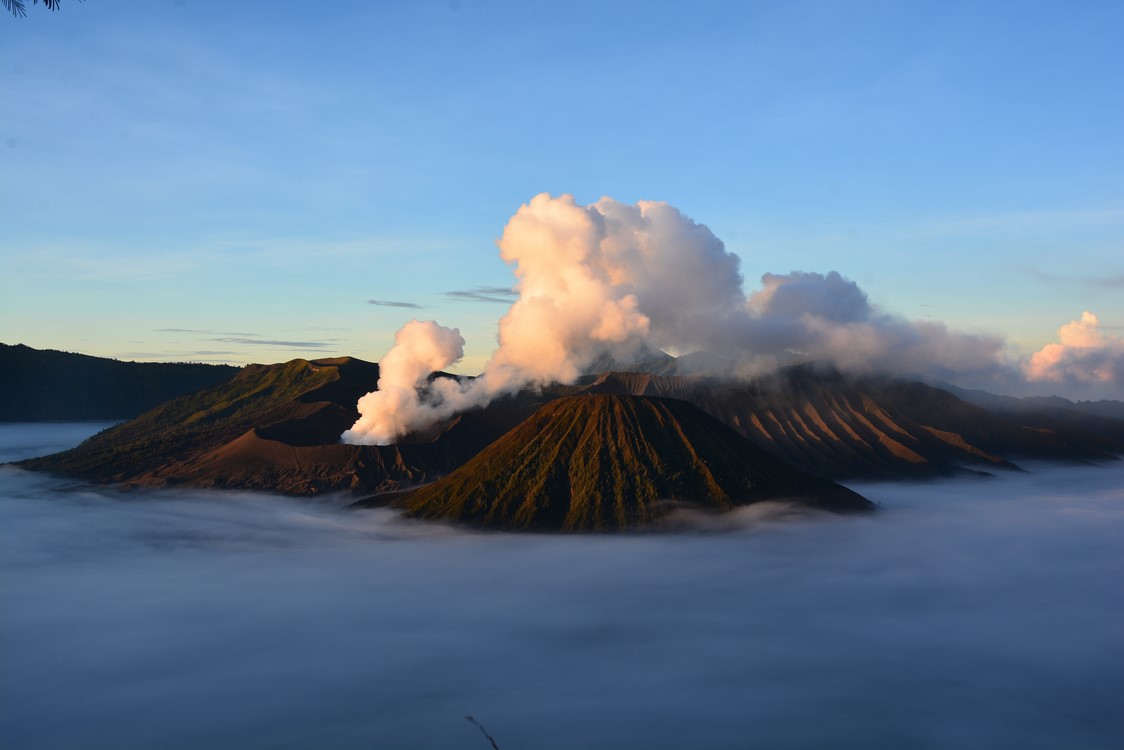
45,385
602,462
846,427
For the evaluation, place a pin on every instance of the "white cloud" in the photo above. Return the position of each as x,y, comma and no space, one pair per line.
1082,354
618,279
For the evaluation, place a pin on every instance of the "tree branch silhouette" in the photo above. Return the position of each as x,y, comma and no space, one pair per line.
482,731
19,9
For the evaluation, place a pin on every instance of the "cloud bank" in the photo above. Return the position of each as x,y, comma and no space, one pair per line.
618,280
966,614
1083,354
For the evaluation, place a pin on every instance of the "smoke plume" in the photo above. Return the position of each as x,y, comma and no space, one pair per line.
420,348
621,280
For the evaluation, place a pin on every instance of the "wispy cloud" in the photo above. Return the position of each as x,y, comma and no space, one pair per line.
391,303
274,342
204,331
1115,281
502,294
1025,221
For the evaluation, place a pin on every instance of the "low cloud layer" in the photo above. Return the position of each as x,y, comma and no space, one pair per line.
20,440
964,614
617,280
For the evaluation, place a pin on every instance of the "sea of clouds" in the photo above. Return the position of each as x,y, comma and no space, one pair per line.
966,614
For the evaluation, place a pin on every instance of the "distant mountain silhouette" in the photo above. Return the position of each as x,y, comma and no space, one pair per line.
51,386
1040,404
603,462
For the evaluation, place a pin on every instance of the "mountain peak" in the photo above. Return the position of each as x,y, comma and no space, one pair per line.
602,461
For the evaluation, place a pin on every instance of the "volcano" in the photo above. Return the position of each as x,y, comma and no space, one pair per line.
605,462
273,427
277,428
844,427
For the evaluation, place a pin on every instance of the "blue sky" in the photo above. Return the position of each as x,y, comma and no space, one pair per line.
234,181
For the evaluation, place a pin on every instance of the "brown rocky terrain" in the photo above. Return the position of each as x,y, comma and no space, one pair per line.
846,427
596,462
273,427
277,427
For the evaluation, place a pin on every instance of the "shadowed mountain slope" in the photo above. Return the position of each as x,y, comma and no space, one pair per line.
602,462
277,427
48,386
273,427
845,427
1095,425
1037,404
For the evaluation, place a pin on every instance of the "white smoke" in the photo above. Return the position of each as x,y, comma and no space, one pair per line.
616,279
420,348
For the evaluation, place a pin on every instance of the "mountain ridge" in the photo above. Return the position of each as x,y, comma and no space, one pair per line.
1109,408
47,385
870,427
596,462
277,427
